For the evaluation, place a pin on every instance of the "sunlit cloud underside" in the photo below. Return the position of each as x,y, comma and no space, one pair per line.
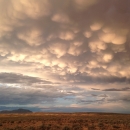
65,55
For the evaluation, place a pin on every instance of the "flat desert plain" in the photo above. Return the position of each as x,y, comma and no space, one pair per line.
65,121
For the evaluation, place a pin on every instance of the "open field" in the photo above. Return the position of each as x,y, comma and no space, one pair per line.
65,121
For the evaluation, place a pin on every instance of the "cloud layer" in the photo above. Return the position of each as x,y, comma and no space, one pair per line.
72,49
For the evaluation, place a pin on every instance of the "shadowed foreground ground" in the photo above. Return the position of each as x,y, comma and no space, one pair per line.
65,121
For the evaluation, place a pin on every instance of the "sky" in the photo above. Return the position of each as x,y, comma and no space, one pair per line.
65,55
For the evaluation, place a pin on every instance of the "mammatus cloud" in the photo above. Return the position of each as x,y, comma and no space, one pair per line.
59,50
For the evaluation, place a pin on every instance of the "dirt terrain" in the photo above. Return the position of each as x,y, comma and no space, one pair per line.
65,121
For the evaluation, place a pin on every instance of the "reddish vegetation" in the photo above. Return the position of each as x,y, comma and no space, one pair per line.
65,121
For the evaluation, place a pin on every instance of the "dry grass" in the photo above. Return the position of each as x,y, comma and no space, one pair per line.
65,121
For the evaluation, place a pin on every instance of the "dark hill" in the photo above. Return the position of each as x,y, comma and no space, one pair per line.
16,111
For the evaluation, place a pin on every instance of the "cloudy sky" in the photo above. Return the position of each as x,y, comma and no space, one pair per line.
65,55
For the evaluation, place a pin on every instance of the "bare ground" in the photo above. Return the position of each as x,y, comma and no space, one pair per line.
65,121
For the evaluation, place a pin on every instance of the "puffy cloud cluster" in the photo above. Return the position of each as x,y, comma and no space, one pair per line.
72,42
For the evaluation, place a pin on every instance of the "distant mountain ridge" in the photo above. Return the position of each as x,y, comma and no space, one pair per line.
16,111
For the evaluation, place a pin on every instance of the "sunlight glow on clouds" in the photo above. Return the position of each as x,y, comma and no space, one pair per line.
65,54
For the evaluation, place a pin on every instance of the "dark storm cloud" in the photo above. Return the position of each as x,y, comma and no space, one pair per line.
114,89
87,79
28,96
19,78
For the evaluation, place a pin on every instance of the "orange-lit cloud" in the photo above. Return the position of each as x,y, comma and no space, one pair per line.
62,49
